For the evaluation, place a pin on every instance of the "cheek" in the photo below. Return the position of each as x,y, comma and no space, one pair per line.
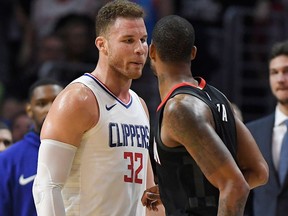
272,82
115,59
115,53
39,114
147,50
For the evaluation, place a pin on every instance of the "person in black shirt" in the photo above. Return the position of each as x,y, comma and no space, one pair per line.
206,159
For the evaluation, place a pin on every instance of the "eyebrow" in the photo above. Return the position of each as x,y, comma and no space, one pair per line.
128,36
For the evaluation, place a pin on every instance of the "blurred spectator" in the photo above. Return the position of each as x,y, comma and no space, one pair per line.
207,19
45,13
270,131
150,8
18,163
78,33
21,123
205,15
155,9
9,107
239,3
23,23
10,37
15,43
263,8
5,136
49,50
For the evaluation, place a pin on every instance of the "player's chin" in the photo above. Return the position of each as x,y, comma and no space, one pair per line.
136,74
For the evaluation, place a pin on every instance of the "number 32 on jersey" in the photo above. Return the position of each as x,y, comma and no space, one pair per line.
135,165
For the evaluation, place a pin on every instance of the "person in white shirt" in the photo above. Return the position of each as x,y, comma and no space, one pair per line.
94,158
268,131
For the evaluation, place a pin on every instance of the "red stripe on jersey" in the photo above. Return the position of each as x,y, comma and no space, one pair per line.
201,85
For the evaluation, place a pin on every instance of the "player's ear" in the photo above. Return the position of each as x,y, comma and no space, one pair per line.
28,109
101,44
193,53
152,51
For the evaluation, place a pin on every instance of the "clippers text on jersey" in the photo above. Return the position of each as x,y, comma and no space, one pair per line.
121,135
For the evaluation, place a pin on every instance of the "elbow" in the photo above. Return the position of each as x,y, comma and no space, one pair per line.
257,175
37,194
263,174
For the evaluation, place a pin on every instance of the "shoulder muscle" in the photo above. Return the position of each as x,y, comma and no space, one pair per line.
74,109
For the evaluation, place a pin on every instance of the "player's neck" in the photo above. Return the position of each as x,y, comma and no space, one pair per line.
166,83
119,87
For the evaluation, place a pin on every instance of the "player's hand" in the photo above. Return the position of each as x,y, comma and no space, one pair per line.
151,198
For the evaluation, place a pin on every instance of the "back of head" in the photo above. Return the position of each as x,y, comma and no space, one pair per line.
173,37
114,9
280,48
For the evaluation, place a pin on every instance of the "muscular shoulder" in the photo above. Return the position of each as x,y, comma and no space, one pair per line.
75,108
186,115
188,108
76,94
77,99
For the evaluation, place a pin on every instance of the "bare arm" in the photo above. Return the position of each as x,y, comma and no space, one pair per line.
156,206
152,201
73,112
249,157
188,121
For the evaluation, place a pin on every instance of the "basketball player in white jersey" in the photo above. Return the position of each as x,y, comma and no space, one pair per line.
93,159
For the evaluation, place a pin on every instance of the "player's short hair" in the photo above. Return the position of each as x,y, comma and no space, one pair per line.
114,9
42,82
279,48
173,37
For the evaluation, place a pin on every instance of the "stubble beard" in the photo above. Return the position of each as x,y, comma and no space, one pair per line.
283,102
125,73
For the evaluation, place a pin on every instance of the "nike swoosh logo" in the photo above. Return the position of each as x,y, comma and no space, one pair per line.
109,107
24,181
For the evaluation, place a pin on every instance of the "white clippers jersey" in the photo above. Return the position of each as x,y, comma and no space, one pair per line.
109,171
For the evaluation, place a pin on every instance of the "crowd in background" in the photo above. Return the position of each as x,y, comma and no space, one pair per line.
48,38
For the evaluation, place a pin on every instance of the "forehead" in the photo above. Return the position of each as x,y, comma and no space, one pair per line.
46,91
279,61
128,27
